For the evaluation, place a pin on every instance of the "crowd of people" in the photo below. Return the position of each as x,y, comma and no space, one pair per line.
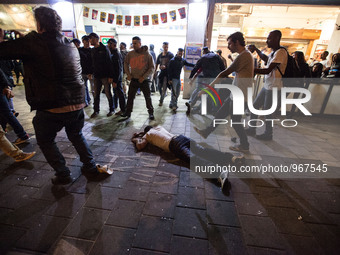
57,69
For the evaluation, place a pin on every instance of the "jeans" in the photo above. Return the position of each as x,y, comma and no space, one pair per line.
175,91
119,95
265,100
145,87
47,125
200,84
225,110
7,147
87,94
163,86
98,83
6,116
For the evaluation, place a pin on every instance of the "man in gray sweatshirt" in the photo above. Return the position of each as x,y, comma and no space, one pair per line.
139,68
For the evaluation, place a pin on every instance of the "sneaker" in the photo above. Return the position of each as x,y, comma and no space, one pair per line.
238,159
62,180
104,169
125,115
264,137
110,113
188,110
240,148
151,117
250,131
94,114
201,133
25,139
24,156
223,178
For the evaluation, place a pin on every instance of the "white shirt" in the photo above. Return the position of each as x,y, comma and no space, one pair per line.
273,79
159,137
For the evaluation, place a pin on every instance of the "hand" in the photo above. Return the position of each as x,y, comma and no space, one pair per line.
170,82
141,79
114,85
128,77
110,80
90,76
162,67
251,48
8,93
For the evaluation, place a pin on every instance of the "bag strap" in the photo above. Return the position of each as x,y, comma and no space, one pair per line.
287,59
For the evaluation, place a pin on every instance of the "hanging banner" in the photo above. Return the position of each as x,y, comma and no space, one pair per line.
94,14
127,20
182,13
110,18
86,11
173,15
145,20
102,16
164,17
136,20
154,19
119,19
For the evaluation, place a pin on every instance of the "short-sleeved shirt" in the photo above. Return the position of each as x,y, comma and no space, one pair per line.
274,78
159,137
243,66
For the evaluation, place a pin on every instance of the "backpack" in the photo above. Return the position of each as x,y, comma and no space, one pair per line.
292,71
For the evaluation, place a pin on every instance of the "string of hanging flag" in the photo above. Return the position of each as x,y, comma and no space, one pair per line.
137,21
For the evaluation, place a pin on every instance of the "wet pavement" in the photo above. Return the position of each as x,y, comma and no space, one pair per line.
153,204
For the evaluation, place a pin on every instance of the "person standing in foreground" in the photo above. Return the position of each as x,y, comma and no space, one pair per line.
54,88
243,66
273,79
139,67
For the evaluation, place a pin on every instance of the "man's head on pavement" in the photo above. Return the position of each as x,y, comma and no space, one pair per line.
165,47
273,39
136,43
180,52
112,43
236,42
47,20
94,39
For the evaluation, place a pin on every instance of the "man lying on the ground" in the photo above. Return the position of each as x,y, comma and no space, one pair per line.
185,149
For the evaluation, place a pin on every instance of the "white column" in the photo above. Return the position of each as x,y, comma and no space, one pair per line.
334,42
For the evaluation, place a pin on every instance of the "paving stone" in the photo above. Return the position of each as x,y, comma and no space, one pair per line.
72,246
274,197
328,201
327,237
226,240
264,251
222,213
154,233
191,179
260,231
126,214
159,204
240,185
168,168
117,180
135,251
165,184
183,246
87,224
43,234
9,236
67,206
113,240
17,196
249,204
37,180
213,191
8,182
103,198
190,222
134,191
143,175
303,244
191,197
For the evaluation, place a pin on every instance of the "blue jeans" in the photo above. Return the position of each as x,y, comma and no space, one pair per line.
98,83
47,125
163,86
6,116
87,94
119,95
175,91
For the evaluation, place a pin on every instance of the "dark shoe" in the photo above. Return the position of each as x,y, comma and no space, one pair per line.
151,117
250,131
94,114
201,133
110,113
234,139
59,180
174,108
24,139
240,148
264,137
125,115
188,110
16,114
238,159
24,156
119,113
160,103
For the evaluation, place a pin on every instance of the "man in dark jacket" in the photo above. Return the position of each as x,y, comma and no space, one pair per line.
86,66
103,74
55,89
174,74
117,62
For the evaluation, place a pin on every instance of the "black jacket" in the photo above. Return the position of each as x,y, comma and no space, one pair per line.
117,62
102,64
175,67
52,69
86,60
211,65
